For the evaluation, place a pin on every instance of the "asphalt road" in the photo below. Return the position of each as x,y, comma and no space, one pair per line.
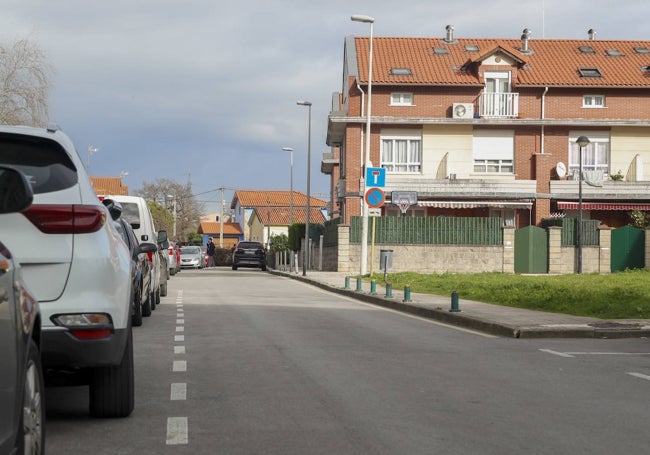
244,362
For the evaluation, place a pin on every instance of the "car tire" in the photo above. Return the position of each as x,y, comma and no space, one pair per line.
112,388
153,307
163,289
146,307
264,268
234,267
172,272
136,318
31,433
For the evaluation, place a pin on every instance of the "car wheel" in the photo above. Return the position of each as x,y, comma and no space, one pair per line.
31,437
136,318
146,307
173,271
112,388
264,267
153,307
234,267
163,289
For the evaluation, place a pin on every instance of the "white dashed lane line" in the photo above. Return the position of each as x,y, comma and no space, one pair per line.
177,427
639,375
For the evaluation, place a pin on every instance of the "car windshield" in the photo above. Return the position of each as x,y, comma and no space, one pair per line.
191,250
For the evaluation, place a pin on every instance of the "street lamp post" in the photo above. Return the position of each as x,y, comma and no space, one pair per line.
582,142
91,151
290,150
364,221
173,198
306,264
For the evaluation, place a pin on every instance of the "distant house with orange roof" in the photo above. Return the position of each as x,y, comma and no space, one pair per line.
267,222
478,127
109,185
246,202
232,233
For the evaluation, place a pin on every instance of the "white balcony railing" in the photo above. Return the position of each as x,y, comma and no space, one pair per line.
499,105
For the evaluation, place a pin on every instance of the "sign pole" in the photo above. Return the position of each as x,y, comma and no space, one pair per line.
372,245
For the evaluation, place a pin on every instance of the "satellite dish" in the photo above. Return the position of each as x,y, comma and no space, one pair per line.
560,169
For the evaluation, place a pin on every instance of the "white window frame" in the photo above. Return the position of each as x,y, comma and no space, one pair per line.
401,99
507,216
595,155
493,151
401,153
593,101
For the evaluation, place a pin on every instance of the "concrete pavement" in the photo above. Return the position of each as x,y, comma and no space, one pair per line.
494,319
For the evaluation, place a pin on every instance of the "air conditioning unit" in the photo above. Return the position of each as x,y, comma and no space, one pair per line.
462,110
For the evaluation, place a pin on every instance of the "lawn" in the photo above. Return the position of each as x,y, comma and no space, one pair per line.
619,295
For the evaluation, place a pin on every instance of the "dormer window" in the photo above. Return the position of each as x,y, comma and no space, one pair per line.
589,72
400,72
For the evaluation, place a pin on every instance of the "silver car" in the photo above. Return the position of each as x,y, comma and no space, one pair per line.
192,257
22,408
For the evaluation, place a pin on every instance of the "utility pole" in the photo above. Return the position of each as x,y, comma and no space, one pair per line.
223,206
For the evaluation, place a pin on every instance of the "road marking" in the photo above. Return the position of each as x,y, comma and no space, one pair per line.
180,321
177,431
179,365
179,349
179,338
180,328
573,354
639,375
561,354
178,391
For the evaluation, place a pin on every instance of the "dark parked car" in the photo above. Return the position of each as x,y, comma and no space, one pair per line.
249,254
22,406
142,292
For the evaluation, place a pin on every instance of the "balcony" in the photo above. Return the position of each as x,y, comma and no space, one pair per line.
463,188
498,105
611,190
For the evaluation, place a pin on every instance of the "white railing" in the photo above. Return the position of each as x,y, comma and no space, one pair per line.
504,105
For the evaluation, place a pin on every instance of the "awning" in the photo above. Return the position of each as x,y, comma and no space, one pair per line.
475,204
572,205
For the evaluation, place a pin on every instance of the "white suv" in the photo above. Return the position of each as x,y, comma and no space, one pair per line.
76,265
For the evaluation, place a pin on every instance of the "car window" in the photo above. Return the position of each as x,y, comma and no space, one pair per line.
131,213
191,250
43,161
248,245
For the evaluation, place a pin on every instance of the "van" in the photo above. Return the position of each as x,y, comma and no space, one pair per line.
136,211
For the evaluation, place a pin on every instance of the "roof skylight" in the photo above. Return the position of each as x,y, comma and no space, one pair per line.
641,50
440,51
471,47
401,72
586,49
589,72
613,53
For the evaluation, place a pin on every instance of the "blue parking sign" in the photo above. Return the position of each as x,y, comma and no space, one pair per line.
375,177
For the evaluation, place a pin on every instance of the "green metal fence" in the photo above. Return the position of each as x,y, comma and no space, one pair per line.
431,230
590,235
331,232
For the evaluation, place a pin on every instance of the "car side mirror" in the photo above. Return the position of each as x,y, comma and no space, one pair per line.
16,192
162,236
114,208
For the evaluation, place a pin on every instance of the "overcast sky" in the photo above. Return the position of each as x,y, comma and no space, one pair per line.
206,90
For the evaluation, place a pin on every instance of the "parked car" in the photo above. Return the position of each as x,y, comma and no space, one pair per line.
192,257
136,211
174,258
76,265
141,289
249,254
22,395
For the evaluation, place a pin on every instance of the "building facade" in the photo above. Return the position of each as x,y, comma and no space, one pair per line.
488,127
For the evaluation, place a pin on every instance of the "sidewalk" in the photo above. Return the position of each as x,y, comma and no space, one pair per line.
494,319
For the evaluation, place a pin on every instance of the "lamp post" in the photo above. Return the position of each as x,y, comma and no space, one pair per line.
306,264
290,150
364,206
582,142
91,151
173,198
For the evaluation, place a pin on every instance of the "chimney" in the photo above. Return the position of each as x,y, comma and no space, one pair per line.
524,40
592,34
450,34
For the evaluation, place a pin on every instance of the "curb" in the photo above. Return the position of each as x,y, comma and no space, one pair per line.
608,330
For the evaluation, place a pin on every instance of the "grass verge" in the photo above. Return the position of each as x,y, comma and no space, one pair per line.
621,295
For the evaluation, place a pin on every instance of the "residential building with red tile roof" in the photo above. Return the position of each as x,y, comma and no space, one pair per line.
264,223
488,127
232,233
246,202
109,185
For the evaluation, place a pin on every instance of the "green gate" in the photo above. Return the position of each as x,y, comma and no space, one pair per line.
628,249
531,250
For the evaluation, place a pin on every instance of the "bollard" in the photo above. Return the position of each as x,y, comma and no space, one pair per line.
389,290
454,302
407,293
347,282
359,285
373,287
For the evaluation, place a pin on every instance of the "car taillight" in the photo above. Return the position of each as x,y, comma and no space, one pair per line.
150,256
66,219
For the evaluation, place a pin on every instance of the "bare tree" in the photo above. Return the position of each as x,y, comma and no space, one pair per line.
24,84
188,209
